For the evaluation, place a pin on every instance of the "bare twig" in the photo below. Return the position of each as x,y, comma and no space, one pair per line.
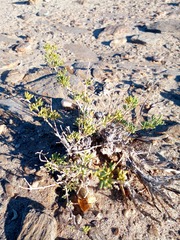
30,188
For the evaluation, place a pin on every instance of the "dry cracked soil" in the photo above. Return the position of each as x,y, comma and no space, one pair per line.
129,46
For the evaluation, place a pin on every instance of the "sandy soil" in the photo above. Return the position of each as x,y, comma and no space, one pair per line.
131,46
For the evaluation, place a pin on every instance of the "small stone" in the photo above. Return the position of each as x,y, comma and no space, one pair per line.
116,43
126,213
94,223
98,73
169,76
115,231
3,129
98,115
82,73
99,216
9,190
82,193
10,121
23,47
152,229
78,219
67,104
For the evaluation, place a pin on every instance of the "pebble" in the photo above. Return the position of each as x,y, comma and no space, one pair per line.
11,121
94,223
98,73
82,73
25,47
78,219
9,190
67,104
152,229
116,43
115,231
3,129
99,216
98,115
126,212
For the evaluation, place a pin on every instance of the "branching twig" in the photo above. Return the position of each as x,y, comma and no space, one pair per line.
30,188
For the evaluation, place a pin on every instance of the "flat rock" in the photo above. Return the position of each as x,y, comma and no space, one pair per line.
81,52
8,62
14,77
114,32
6,40
72,30
170,26
148,38
38,225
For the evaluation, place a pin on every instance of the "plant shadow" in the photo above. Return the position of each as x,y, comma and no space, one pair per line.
173,94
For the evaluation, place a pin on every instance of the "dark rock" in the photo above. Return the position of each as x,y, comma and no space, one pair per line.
38,225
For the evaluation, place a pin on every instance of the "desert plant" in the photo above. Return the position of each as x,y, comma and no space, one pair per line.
100,149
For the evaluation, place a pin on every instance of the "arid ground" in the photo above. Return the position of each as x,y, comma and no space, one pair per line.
130,46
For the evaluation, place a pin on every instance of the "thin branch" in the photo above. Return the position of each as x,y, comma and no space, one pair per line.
30,188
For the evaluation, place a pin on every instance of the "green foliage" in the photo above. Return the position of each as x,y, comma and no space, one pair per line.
74,136
86,124
122,176
130,127
118,116
51,56
88,82
47,113
63,78
76,165
36,105
109,175
105,176
86,229
28,96
55,161
54,61
81,97
130,103
153,122
73,171
107,119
